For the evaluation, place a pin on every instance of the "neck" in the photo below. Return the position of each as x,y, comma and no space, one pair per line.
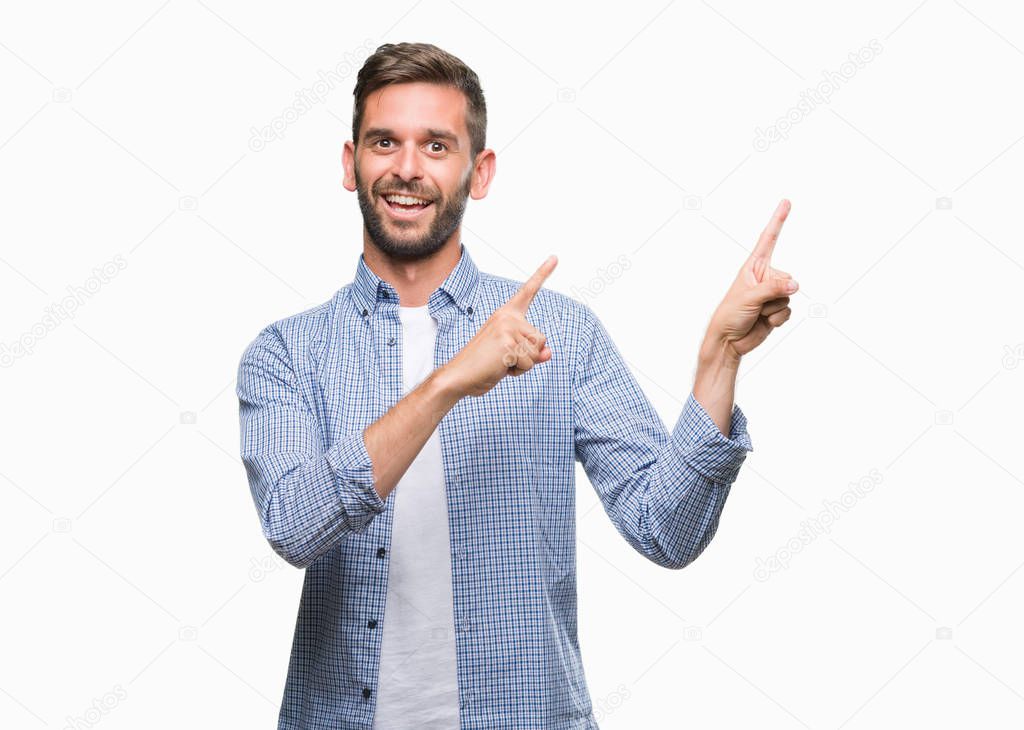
416,280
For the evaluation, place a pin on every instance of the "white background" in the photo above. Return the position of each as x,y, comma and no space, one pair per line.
132,568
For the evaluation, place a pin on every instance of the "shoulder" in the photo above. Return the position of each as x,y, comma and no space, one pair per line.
548,307
298,335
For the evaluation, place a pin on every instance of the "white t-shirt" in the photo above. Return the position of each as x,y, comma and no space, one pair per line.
418,685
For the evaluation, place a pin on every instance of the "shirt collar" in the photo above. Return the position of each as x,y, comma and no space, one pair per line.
459,288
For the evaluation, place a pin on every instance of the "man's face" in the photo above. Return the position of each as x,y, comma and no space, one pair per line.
413,142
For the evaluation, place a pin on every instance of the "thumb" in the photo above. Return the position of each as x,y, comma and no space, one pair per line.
773,288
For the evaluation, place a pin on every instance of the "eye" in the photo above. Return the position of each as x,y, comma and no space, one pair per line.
442,145
382,140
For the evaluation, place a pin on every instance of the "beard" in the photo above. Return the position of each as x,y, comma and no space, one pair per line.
447,219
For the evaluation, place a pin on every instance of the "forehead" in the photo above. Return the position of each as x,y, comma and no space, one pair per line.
412,107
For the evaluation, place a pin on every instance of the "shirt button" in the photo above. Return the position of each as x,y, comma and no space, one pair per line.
366,692
371,624
391,340
365,312
469,310
384,295
381,552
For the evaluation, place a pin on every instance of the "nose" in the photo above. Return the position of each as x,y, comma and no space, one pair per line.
407,164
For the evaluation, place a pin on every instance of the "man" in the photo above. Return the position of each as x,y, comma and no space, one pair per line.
412,441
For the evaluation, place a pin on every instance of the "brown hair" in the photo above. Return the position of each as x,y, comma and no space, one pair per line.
394,63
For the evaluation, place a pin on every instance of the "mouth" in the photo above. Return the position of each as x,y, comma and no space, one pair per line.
405,207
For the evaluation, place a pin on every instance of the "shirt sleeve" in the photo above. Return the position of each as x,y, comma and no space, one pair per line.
308,497
663,492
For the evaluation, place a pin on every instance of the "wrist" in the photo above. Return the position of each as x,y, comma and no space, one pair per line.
444,386
718,353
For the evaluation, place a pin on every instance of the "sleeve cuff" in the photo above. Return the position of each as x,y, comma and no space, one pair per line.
353,469
704,446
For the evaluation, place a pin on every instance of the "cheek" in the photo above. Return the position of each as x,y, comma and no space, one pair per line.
455,183
450,176
369,170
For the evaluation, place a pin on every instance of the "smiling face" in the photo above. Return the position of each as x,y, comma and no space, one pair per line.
412,168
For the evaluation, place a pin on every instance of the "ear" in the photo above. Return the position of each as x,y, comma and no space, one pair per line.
348,161
484,168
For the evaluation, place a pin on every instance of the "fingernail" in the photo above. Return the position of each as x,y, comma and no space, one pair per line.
791,285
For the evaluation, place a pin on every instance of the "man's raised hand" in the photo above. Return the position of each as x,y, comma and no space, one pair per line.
758,300
506,344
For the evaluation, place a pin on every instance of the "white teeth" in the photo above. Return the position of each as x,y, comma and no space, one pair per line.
404,199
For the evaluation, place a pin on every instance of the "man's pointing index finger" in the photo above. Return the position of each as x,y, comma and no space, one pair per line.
522,298
766,243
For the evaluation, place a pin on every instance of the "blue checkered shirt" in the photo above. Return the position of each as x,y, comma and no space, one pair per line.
309,384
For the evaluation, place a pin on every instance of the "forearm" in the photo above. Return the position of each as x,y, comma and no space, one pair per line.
714,386
394,439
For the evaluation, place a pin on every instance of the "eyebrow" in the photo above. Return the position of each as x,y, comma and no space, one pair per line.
374,132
